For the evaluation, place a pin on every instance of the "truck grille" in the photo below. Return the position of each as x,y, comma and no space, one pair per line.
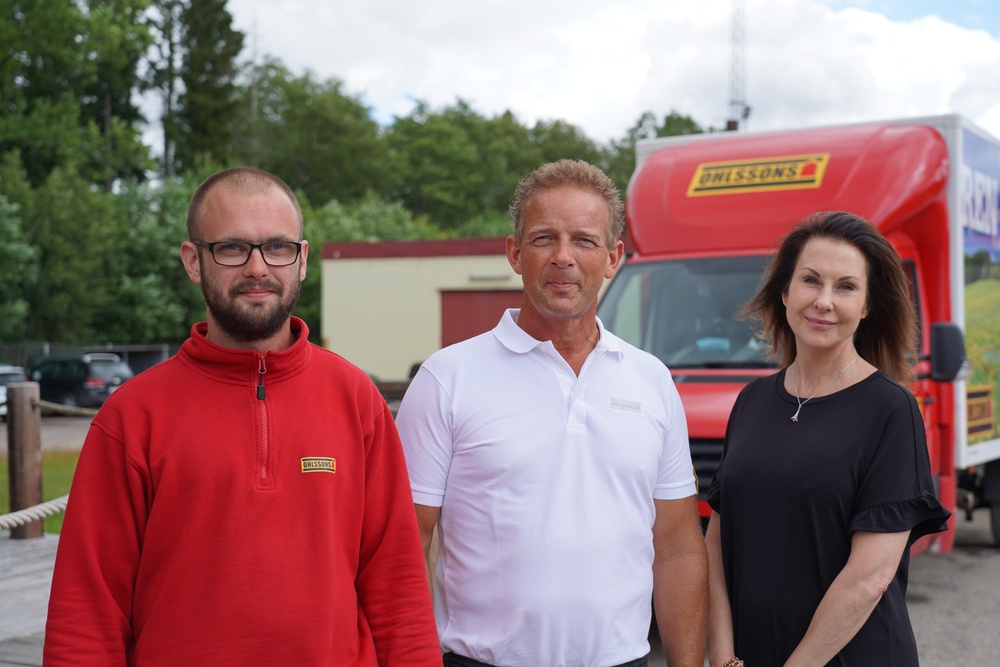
705,455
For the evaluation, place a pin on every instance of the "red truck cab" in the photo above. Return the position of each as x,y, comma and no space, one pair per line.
704,213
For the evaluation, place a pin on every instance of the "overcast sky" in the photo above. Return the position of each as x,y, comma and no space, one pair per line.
599,64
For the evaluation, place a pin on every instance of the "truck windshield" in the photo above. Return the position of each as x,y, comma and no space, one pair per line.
683,311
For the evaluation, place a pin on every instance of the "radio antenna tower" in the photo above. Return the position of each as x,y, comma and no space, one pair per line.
738,108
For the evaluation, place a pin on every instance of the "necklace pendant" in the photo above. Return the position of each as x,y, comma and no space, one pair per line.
795,384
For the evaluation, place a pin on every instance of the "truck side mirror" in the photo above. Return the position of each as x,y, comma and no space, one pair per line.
948,361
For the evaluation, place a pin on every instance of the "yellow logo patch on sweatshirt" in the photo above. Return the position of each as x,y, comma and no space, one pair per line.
319,464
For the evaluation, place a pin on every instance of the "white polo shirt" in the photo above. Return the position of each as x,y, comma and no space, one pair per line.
546,484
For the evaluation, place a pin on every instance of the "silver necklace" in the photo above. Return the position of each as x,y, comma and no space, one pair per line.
795,383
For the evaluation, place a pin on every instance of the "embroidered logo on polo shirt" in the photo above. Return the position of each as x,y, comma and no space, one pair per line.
319,464
623,404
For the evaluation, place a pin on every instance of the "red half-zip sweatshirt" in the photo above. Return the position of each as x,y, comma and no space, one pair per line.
237,508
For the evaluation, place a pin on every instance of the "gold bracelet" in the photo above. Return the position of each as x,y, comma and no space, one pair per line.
734,662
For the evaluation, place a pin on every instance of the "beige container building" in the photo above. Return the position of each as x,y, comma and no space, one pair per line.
388,306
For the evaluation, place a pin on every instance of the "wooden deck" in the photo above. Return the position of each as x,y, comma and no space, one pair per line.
25,578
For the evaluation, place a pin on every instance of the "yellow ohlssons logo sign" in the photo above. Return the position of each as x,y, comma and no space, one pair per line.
979,411
319,464
786,172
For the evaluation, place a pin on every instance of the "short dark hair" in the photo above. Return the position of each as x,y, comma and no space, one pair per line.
569,173
246,180
886,337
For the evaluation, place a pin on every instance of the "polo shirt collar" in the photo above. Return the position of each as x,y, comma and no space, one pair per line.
516,339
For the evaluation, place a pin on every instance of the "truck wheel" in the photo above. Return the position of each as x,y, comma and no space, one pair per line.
995,521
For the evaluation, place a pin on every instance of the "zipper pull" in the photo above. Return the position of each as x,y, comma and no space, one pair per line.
261,394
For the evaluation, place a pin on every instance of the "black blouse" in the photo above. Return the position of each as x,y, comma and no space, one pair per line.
790,494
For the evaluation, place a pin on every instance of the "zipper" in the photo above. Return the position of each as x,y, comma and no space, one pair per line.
264,443
261,393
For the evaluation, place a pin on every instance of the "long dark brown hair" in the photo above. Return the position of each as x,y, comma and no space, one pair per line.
886,337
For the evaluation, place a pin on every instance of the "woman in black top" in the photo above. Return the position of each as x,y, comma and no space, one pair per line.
825,479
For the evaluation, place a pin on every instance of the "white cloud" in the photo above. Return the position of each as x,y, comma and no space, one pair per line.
600,65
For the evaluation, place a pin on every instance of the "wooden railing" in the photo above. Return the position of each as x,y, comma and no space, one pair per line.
24,454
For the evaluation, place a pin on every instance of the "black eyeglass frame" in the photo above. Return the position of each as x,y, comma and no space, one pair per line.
210,246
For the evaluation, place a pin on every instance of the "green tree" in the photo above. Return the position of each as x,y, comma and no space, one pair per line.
208,103
78,236
116,41
41,73
675,124
320,140
164,66
64,73
155,301
438,163
456,164
559,140
506,155
372,219
15,186
19,261
193,68
619,161
484,225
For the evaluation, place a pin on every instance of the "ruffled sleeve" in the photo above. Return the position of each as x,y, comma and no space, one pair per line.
897,490
921,516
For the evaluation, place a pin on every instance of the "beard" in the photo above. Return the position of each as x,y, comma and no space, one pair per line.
256,322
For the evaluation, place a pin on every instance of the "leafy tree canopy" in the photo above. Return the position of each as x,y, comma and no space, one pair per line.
19,260
86,232
66,74
320,140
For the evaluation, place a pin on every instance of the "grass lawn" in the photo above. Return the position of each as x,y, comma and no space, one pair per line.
57,473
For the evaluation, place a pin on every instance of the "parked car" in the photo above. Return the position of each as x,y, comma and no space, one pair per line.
83,379
9,374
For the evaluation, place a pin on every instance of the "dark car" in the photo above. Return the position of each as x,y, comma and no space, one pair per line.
80,379
8,375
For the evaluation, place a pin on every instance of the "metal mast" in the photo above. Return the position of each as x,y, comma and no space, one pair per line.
738,108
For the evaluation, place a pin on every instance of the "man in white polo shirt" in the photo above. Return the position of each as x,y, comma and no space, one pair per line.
555,457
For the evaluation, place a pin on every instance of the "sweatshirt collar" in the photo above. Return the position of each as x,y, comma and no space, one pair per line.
243,365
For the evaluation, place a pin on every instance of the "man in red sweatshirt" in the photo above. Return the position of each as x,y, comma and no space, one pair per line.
246,501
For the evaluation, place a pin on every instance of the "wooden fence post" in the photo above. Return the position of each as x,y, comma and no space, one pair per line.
24,454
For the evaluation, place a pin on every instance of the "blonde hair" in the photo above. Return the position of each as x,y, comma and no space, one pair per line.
569,173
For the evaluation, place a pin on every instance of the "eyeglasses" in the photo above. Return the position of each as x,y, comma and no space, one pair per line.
237,253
